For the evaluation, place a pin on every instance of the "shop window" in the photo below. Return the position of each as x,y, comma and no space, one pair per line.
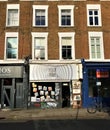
92,83
99,85
43,92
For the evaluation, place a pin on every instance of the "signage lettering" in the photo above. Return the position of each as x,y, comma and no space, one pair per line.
5,70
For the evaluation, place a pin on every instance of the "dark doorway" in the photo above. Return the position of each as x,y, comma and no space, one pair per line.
65,95
7,93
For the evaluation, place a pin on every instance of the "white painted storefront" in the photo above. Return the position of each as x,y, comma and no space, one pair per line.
58,77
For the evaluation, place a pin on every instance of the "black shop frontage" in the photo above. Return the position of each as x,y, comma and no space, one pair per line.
13,86
96,82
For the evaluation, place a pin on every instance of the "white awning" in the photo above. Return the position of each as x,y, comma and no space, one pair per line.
53,72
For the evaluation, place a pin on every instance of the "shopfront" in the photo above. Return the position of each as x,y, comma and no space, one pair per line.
12,86
96,82
51,84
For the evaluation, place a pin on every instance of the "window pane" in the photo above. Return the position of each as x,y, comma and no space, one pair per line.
40,17
40,48
93,17
96,12
66,47
98,51
90,12
93,55
66,40
98,40
91,20
66,17
12,17
96,21
11,49
92,40
95,47
66,52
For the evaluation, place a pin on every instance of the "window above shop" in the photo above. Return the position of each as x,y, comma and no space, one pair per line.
39,49
66,43
40,15
96,45
66,15
93,15
11,46
12,16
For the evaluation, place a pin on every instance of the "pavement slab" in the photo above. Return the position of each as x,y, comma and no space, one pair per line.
59,113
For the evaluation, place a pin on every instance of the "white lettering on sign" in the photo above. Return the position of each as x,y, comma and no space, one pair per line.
5,70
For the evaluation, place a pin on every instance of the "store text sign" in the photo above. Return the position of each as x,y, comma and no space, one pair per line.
5,70
102,73
11,72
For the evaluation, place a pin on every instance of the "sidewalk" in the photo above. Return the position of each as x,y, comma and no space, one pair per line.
61,113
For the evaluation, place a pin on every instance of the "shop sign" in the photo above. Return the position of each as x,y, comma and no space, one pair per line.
11,71
102,73
53,72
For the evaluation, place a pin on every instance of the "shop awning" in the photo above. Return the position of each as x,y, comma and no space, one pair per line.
53,72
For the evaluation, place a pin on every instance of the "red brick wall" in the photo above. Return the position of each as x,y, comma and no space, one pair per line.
80,28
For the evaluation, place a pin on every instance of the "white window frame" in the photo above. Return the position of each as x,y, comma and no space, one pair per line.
67,34
12,6
96,34
94,7
66,7
38,34
44,7
10,34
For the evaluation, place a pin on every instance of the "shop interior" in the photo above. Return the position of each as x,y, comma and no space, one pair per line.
50,93
99,85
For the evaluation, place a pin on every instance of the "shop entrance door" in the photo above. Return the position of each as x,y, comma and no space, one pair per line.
19,95
65,95
7,93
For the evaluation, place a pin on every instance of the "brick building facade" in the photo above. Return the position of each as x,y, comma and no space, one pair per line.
55,35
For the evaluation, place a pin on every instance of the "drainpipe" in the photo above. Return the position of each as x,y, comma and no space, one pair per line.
26,80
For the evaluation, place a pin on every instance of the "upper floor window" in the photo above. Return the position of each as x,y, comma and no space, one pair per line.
12,15
96,45
66,45
93,15
39,48
66,15
40,15
11,51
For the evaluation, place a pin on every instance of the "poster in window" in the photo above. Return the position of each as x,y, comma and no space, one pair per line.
44,88
34,89
36,94
39,87
49,88
77,97
41,92
46,93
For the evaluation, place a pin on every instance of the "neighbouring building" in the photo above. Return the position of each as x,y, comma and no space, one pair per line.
54,53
